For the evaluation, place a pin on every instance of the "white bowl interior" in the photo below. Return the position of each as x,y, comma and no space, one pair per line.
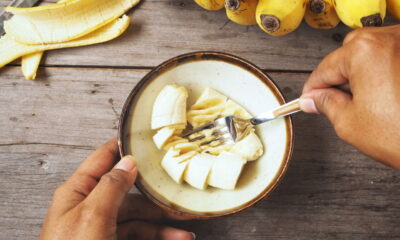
241,86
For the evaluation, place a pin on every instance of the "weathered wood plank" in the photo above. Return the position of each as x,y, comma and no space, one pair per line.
163,29
48,126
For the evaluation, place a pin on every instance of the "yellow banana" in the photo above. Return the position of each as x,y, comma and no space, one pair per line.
212,5
321,14
278,17
394,8
11,49
241,11
361,13
62,22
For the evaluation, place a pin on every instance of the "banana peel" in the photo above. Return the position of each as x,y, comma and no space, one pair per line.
62,22
30,64
12,49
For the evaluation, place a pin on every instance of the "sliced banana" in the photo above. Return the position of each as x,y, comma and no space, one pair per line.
170,107
198,170
226,171
162,136
249,148
232,108
62,22
11,49
207,108
175,164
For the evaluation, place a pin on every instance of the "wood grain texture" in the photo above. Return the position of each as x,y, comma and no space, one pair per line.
163,29
49,126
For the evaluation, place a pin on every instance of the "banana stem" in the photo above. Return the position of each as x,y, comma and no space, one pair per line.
317,6
232,5
374,20
270,22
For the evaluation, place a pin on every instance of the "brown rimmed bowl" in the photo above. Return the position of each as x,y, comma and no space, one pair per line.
236,78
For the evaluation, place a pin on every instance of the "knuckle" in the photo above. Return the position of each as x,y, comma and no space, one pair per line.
341,128
114,178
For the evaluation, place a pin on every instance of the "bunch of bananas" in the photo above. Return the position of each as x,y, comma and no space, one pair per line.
280,17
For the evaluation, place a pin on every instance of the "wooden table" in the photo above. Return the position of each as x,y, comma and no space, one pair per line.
50,125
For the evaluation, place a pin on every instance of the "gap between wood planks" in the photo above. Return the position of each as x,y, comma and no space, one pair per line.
144,68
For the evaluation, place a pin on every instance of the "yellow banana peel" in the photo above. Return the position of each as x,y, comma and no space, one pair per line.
321,14
278,18
62,22
30,64
394,8
241,11
361,13
11,49
212,5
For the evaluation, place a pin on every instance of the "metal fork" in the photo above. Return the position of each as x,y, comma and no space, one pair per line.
230,129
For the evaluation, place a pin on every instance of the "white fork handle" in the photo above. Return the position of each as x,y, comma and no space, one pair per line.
281,111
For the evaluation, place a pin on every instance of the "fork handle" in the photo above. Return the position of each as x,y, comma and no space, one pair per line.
281,111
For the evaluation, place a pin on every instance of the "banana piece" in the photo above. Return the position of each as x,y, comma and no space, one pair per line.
278,18
241,11
232,108
185,147
394,8
249,148
212,5
162,136
226,170
321,14
11,50
207,108
198,170
361,13
61,22
170,107
175,164
173,141
30,64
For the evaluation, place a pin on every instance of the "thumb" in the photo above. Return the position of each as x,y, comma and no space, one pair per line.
329,101
110,192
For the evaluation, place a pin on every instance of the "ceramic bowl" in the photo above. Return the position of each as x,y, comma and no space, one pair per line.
242,82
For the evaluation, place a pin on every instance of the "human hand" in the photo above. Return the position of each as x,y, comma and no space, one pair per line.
93,204
368,116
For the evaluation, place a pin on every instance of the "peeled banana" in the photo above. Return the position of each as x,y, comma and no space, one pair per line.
361,13
207,108
226,171
198,170
394,8
321,14
30,64
62,22
201,165
11,49
175,164
278,18
170,107
241,11
211,5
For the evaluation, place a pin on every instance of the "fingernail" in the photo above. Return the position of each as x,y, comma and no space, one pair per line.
193,236
127,164
308,105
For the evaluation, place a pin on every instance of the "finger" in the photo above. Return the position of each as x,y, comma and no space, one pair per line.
110,192
332,71
86,177
147,231
331,102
